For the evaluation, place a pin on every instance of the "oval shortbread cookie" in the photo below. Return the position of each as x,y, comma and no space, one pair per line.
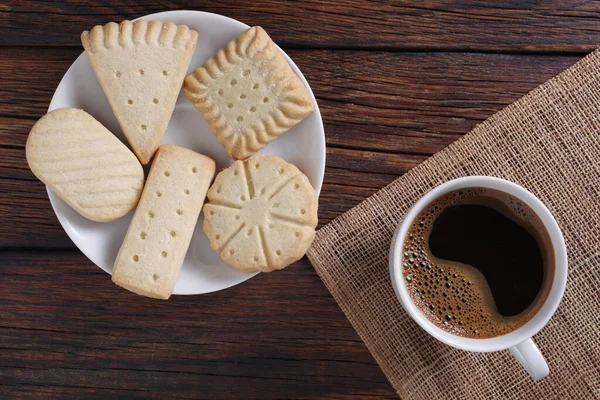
248,93
85,164
261,214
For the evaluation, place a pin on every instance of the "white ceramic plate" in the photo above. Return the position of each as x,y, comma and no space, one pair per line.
203,270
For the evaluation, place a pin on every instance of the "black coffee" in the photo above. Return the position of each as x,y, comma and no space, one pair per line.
478,263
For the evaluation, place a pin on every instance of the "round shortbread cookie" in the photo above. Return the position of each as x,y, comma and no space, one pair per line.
261,214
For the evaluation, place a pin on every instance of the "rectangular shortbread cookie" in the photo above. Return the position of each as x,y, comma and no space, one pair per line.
158,237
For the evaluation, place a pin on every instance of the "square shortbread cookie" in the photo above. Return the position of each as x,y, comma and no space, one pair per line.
248,93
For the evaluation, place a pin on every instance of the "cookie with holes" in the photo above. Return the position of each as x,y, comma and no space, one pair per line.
161,229
141,66
261,214
248,93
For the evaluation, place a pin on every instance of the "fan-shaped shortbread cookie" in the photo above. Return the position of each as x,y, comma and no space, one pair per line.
84,164
160,232
141,66
248,93
261,214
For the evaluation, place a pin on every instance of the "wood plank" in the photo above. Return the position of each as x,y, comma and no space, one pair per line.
351,176
400,102
26,217
66,327
14,131
34,75
417,102
383,112
511,25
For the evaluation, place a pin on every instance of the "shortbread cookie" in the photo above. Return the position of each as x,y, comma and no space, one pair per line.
84,164
261,214
141,66
158,237
248,93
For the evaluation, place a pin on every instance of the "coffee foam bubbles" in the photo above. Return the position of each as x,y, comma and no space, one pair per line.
454,296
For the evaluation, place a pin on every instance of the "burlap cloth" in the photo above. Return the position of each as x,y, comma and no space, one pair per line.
548,142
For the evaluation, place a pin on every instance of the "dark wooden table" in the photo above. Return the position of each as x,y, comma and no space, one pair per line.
395,81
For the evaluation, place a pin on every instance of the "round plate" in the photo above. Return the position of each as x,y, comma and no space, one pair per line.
203,270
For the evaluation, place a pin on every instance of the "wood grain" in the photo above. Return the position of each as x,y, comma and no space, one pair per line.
426,99
395,82
384,113
84,333
451,25
24,202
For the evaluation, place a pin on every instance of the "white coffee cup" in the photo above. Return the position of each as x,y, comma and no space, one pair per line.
518,341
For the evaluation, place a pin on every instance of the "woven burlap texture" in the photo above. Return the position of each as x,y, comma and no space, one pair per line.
548,142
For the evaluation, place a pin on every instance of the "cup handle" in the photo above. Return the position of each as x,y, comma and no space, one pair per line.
528,354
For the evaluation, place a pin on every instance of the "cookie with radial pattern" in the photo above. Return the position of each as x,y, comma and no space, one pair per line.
141,66
84,164
261,214
248,93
